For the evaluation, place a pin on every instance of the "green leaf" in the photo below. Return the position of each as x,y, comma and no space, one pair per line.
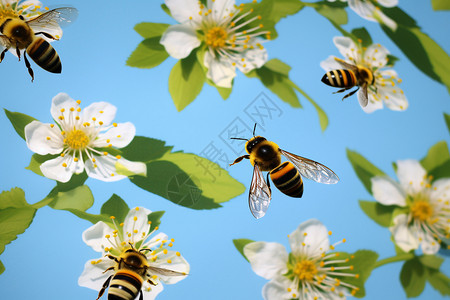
363,35
79,198
115,206
167,180
19,121
16,216
215,182
36,161
149,30
2,267
447,120
335,14
154,217
431,261
186,81
364,169
413,277
440,4
381,214
74,182
437,161
240,244
265,10
166,9
439,281
283,8
148,54
145,149
420,49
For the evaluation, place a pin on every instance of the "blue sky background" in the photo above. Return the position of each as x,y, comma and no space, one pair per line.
46,261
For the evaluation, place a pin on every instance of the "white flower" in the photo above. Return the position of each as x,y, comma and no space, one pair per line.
76,139
232,37
426,216
308,272
29,10
383,88
134,233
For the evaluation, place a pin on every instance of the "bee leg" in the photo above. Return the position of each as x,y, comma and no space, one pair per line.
141,297
151,282
240,158
27,64
46,35
2,55
112,257
111,268
105,285
341,90
18,52
351,93
268,182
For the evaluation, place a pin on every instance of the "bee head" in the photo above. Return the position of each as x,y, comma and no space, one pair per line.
251,143
133,258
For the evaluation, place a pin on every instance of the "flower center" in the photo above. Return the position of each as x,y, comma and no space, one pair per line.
421,210
305,270
216,37
76,139
7,13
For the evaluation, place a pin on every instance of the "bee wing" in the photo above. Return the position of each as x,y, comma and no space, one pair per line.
346,65
312,169
164,272
5,42
259,195
54,19
363,97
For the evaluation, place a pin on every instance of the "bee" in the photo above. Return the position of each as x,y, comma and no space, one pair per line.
131,270
349,77
19,34
265,155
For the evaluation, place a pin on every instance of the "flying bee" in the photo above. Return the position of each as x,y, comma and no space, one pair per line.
265,155
349,77
19,34
131,270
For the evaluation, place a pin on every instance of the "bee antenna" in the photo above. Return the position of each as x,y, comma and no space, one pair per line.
254,128
131,245
242,139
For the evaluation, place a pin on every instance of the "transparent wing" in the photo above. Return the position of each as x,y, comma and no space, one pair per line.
363,97
164,272
259,195
312,169
54,19
346,65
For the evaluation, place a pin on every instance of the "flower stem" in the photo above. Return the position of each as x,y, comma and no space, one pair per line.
400,257
44,202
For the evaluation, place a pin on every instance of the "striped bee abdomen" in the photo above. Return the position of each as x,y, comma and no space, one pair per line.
125,285
44,55
287,179
342,78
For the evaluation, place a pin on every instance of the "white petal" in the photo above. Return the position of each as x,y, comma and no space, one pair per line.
136,223
381,18
222,8
428,244
179,40
130,168
253,59
154,290
155,241
99,112
393,97
104,168
402,235
314,234
440,190
221,72
330,64
64,102
387,192
118,136
183,10
388,3
95,238
277,289
411,175
178,263
363,9
267,259
347,47
374,104
93,276
37,134
53,168
376,56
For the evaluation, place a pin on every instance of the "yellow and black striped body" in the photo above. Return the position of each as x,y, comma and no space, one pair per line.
125,285
342,78
287,179
44,55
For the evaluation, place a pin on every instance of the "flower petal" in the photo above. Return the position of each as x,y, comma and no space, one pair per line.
330,64
428,244
277,289
267,259
312,233
440,190
347,48
54,169
135,225
184,10
221,72
411,175
104,168
155,241
93,276
149,292
374,103
376,56
179,40
387,191
177,263
402,235
95,236
61,105
99,112
393,97
43,139
118,136
252,59
222,8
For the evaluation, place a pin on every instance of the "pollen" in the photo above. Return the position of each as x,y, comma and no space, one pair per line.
216,37
421,210
77,140
305,270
